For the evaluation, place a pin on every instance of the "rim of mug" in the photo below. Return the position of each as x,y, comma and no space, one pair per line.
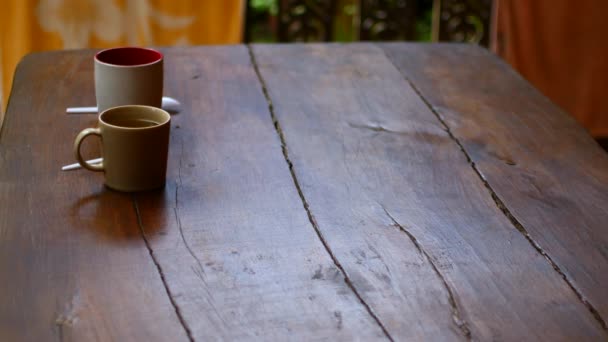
160,58
167,121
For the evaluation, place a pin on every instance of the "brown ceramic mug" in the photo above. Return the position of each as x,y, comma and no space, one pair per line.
128,75
135,145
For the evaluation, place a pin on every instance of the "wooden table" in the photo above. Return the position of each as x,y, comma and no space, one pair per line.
343,191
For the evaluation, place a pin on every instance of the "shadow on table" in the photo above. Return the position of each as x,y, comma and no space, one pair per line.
157,210
116,216
603,143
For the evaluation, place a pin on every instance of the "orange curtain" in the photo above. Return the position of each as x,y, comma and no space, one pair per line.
37,25
562,48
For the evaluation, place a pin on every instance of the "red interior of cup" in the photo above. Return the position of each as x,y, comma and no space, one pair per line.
128,56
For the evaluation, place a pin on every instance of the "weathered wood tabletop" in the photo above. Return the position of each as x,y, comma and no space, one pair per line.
324,191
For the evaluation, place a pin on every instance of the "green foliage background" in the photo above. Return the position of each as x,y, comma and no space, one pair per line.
263,15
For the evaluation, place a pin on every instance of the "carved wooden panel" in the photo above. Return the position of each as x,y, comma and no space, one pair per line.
306,20
387,20
463,20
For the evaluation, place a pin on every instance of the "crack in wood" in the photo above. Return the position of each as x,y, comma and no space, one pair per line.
178,185
201,273
458,320
499,203
375,128
311,218
160,271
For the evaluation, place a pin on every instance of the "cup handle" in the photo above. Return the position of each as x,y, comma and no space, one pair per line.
79,139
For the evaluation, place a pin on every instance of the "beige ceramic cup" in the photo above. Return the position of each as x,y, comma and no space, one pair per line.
128,75
135,145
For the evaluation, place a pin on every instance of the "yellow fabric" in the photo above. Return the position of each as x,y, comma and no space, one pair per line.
37,25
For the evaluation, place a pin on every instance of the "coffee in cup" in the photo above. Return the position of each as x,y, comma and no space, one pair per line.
135,146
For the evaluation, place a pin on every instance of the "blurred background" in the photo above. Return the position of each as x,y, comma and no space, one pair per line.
559,46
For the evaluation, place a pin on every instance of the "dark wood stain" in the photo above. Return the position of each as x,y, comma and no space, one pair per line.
239,256
312,193
554,183
365,169
72,261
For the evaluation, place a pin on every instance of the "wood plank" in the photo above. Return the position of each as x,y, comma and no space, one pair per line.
542,165
73,262
382,177
229,231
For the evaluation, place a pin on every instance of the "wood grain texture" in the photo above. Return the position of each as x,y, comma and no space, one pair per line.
229,231
73,264
258,225
384,181
542,165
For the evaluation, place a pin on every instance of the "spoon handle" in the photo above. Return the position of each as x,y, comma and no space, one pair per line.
168,103
81,110
77,166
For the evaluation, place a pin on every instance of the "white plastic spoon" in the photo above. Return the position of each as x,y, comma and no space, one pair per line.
169,104
77,166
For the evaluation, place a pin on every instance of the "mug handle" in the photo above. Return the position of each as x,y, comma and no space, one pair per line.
79,139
